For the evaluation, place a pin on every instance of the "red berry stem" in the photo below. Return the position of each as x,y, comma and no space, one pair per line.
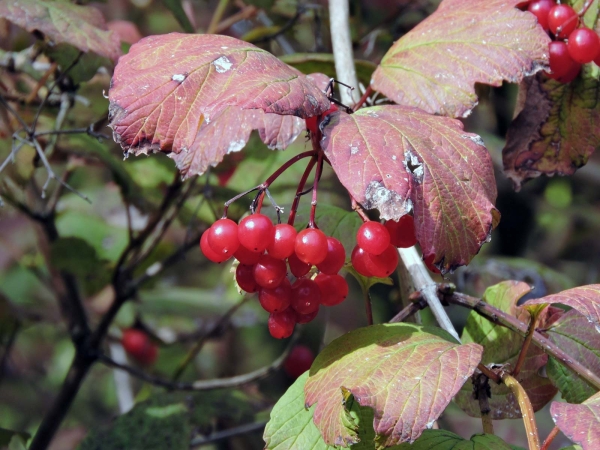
359,210
368,307
313,203
586,6
299,190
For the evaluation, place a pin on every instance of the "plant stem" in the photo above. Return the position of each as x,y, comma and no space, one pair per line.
313,203
482,386
527,412
299,189
363,99
368,306
217,16
339,19
550,438
523,353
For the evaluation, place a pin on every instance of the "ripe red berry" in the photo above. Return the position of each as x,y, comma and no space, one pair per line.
244,275
245,256
256,232
373,237
541,9
402,233
359,261
562,17
311,246
383,265
298,361
571,75
306,296
281,324
561,62
428,260
335,259
210,254
583,45
284,241
297,267
306,318
137,344
269,272
277,299
334,289
223,237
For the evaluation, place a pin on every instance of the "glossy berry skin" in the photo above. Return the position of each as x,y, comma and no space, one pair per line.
297,267
429,263
137,344
359,261
402,233
298,361
383,265
334,289
244,275
281,324
306,318
306,296
541,9
284,241
335,259
571,75
269,272
223,237
256,232
373,237
210,254
277,299
583,45
245,256
311,246
561,62
563,17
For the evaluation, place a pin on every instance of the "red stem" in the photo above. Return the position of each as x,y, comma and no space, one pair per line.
550,438
313,203
361,212
301,185
363,99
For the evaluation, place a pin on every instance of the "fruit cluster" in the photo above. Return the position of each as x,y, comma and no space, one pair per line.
263,249
572,45
375,254
138,345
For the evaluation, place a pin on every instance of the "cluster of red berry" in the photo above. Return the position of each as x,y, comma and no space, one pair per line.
263,249
375,254
572,45
138,345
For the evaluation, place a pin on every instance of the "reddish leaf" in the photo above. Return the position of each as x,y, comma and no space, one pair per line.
396,158
198,97
502,346
436,64
585,299
555,132
580,423
407,374
80,26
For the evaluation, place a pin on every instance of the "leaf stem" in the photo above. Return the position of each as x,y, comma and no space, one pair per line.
299,189
363,99
553,433
368,306
530,331
527,412
313,203
482,388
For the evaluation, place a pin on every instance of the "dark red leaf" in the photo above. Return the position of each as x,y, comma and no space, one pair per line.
436,65
580,423
198,97
396,158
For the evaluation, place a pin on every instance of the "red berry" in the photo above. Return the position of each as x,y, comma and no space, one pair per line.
561,62
284,241
306,318
571,75
306,296
210,254
584,45
335,259
359,261
563,17
256,232
244,275
402,233
334,289
277,299
281,324
223,237
383,265
373,237
269,272
137,344
297,267
541,9
429,260
298,361
245,256
311,246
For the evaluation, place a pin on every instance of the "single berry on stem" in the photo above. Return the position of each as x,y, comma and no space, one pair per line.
244,276
256,232
359,261
584,45
297,267
540,9
223,237
281,324
383,265
373,237
334,289
298,361
277,299
561,62
335,259
306,296
311,246
284,241
562,20
210,254
402,233
269,272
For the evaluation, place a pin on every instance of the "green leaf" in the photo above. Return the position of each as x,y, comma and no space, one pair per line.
445,440
395,369
7,435
175,7
86,67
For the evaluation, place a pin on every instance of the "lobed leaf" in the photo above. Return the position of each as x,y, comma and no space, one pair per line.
436,65
579,422
62,22
198,97
396,158
406,373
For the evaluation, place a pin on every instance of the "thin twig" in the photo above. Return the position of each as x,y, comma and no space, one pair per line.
217,16
286,26
533,321
409,310
548,441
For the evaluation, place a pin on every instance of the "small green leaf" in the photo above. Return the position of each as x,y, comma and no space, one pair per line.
445,440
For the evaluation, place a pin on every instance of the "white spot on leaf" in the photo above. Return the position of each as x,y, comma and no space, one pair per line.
222,64
180,77
236,146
